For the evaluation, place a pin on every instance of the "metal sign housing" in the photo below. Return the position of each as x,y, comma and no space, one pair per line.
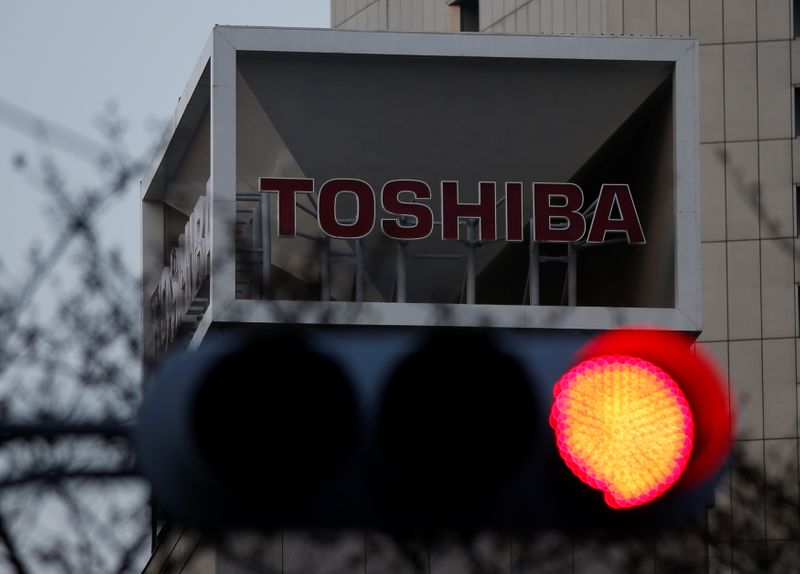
468,108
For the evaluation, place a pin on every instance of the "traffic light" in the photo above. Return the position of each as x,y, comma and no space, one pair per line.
417,428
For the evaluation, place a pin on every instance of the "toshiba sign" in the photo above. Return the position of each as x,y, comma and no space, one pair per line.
406,179
557,215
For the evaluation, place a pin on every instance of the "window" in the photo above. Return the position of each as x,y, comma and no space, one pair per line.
797,210
469,16
469,19
797,111
796,18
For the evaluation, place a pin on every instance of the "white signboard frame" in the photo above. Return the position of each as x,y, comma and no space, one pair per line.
219,62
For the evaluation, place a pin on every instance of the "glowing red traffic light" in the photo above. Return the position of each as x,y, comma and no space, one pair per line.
626,417
623,426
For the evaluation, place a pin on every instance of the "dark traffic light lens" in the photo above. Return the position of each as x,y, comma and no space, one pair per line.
457,419
276,415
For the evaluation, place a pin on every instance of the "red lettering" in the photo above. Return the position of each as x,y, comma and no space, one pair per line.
628,221
392,204
365,208
546,215
287,189
514,211
483,211
556,210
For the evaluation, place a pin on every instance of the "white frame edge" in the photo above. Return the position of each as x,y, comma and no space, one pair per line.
682,52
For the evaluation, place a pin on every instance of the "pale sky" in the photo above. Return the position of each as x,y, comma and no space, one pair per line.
65,60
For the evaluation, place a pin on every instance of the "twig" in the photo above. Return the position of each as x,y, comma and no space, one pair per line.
11,548
58,475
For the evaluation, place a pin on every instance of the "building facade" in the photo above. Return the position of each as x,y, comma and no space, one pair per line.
749,210
750,168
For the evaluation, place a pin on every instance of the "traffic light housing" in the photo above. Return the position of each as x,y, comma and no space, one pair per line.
419,428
